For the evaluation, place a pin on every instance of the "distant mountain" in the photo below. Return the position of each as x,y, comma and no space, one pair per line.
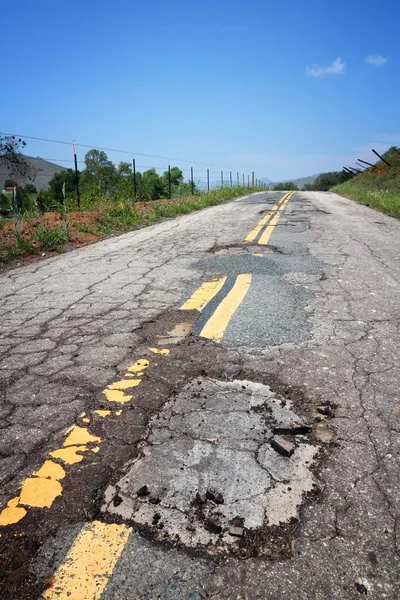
42,172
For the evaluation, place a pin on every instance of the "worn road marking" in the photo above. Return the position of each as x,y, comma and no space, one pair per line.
264,239
204,294
89,563
43,487
254,233
216,325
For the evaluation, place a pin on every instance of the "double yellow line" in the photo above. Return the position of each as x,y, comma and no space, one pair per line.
216,325
266,234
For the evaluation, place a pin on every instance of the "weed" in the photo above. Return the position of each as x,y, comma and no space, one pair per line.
52,237
84,228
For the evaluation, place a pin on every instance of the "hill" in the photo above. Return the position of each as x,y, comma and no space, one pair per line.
42,172
378,186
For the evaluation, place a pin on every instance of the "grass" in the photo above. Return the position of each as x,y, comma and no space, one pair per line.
378,187
52,237
107,217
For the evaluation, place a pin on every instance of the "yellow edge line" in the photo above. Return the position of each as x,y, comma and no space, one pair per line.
264,239
89,562
204,294
216,325
254,233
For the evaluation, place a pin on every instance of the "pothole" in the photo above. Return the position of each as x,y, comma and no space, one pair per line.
240,249
225,468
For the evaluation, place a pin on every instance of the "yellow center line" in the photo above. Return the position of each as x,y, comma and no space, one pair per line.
89,563
204,294
254,233
216,325
264,239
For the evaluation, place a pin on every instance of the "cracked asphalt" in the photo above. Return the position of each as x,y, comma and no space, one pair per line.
319,326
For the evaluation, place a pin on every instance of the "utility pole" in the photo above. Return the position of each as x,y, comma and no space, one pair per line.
78,193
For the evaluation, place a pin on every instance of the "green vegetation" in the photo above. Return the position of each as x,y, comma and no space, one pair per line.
105,216
378,186
285,186
52,237
324,181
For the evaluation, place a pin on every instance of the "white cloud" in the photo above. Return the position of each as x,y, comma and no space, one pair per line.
376,59
338,67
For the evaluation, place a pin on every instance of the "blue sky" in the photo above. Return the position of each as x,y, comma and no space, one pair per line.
285,88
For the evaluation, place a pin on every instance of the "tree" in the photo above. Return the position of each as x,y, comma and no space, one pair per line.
12,157
21,202
66,177
325,181
10,183
152,186
99,174
176,176
30,188
286,186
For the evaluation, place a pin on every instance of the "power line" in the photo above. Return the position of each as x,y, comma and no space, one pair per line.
167,158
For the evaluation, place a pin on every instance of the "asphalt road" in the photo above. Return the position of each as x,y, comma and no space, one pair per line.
207,408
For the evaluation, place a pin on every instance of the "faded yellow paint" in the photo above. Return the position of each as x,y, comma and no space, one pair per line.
264,239
258,254
283,206
12,513
40,492
204,294
117,396
254,233
80,435
118,412
103,413
164,351
51,470
89,562
86,420
216,325
70,455
124,384
139,366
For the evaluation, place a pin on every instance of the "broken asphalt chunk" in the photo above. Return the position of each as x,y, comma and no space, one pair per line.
215,497
293,428
236,531
212,526
282,445
143,491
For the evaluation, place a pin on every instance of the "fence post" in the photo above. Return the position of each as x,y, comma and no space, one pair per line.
381,157
78,193
169,181
191,180
230,177
243,180
222,179
134,176
248,181
252,179
237,176
208,180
